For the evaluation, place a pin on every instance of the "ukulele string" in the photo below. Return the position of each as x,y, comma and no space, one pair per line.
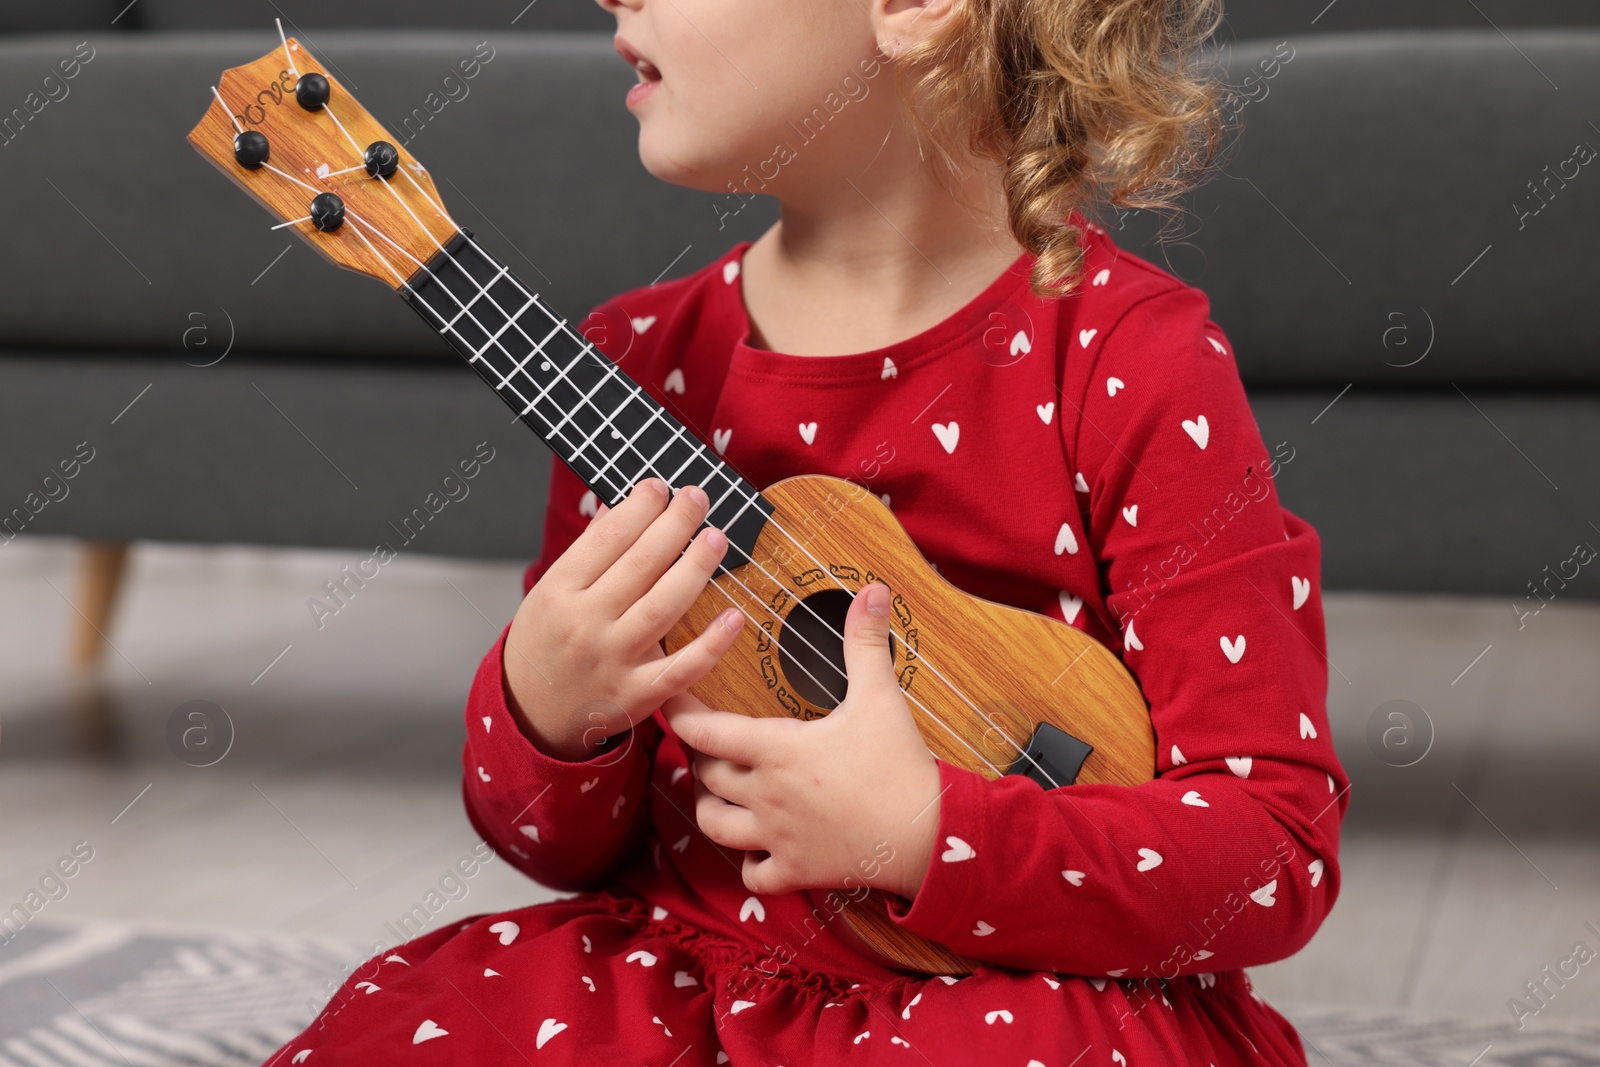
359,228
611,370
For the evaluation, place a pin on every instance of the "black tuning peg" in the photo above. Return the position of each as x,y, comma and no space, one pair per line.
312,91
382,159
251,149
327,212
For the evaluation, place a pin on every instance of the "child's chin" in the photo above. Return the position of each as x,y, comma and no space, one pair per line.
683,167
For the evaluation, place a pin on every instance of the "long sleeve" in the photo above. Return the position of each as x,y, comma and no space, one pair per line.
566,825
1228,857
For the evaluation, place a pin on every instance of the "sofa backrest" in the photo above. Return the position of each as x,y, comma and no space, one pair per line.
1376,180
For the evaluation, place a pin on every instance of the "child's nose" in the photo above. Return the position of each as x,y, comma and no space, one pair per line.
612,5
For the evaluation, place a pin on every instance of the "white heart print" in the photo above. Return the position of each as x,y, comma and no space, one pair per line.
589,505
1131,639
1045,411
983,929
889,370
948,434
507,930
1103,277
1199,430
1315,867
730,271
959,851
1066,541
674,381
1240,765
1149,859
752,906
643,958
1131,513
1113,384
1020,343
719,439
1085,336
427,1032
547,1029
1264,895
642,323
1177,756
1233,649
1302,589
1075,877
1000,1015
1192,798
1306,728
1070,605
808,432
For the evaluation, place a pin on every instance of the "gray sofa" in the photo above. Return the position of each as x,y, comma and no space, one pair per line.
1408,314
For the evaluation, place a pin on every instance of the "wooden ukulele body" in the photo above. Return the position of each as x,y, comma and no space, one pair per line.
979,676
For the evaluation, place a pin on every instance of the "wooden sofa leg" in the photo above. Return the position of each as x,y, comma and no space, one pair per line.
99,579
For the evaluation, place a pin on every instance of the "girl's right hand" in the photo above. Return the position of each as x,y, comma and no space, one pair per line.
583,658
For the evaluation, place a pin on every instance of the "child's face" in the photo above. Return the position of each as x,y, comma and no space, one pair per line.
738,79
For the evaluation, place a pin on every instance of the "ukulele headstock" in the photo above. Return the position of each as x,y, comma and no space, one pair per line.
285,130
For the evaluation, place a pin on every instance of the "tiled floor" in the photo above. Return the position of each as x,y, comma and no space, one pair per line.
338,807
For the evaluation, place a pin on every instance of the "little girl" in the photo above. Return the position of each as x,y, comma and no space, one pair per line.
1059,426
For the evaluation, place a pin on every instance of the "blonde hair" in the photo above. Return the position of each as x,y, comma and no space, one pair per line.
1078,101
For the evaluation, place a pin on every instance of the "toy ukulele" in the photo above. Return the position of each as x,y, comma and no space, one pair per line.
994,688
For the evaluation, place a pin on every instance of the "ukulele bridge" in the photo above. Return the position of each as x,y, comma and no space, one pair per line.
1052,757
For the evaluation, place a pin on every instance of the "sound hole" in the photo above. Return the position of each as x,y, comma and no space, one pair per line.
811,647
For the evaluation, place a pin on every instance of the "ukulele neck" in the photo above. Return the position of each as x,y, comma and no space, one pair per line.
601,423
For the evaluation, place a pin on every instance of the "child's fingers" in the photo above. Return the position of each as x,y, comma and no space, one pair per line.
692,662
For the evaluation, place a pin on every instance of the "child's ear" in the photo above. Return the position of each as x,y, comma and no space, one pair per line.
898,24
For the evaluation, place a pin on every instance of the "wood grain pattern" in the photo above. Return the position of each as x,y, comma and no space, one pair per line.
978,675
405,208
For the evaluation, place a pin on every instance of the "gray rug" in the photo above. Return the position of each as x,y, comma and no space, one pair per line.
87,994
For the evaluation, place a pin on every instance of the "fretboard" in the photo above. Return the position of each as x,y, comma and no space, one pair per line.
581,405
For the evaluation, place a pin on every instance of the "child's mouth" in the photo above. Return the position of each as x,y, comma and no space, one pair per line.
647,73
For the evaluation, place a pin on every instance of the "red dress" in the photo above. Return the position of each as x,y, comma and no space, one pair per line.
1093,459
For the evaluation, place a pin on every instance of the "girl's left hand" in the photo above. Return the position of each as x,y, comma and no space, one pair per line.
826,800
